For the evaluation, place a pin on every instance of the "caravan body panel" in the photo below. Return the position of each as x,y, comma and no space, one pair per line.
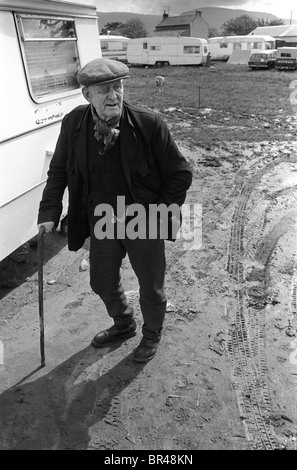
114,47
222,47
167,50
286,58
37,91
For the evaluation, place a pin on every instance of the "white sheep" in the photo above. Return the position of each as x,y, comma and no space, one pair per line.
160,83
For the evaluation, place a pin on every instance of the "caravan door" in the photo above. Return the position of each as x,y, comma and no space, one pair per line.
145,52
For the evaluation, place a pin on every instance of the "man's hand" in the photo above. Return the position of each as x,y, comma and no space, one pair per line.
48,226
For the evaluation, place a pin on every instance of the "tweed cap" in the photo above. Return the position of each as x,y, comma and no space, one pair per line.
102,71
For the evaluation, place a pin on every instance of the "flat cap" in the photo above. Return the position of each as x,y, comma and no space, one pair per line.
101,71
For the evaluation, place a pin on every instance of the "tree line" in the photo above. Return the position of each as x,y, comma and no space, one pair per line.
133,28
242,25
239,26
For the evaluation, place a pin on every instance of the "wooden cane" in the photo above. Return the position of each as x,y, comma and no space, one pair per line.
40,291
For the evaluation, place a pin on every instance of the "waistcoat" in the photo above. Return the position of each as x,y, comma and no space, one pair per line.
105,174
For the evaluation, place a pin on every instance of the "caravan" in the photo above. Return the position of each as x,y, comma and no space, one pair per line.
221,48
167,51
286,58
42,45
114,47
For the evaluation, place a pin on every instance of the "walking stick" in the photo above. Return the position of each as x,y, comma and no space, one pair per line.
40,292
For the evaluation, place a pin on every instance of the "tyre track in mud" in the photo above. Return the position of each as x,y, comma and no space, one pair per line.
246,342
246,314
293,302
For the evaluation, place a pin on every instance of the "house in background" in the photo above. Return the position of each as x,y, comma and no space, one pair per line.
285,35
187,24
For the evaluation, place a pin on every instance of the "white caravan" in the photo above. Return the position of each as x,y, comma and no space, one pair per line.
114,47
42,45
167,51
286,58
222,47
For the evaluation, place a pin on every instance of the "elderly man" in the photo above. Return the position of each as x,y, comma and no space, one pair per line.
110,151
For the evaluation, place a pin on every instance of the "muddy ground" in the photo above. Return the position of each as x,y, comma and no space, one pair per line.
225,375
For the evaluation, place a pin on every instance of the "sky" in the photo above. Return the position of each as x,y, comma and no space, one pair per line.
279,8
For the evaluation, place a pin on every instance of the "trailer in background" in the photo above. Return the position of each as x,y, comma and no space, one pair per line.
286,58
42,45
222,47
167,51
114,47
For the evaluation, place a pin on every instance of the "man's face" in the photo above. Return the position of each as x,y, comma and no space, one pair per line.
107,99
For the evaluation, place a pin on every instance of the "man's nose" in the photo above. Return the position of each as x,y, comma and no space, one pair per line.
112,93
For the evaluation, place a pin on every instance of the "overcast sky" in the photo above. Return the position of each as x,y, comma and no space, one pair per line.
279,8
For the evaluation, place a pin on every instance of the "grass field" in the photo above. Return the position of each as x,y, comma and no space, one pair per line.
232,96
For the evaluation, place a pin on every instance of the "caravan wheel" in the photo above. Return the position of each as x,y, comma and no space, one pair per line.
160,63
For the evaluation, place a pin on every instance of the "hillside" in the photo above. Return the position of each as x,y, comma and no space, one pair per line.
215,17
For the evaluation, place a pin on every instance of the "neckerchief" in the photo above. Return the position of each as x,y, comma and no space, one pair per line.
105,131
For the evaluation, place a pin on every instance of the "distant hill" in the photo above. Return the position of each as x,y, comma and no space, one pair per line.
215,17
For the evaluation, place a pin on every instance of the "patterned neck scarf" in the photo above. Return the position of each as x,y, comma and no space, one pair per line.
105,131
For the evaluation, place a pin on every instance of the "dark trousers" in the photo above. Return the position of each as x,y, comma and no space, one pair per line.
147,258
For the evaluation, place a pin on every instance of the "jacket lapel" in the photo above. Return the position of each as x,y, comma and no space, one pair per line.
128,144
80,144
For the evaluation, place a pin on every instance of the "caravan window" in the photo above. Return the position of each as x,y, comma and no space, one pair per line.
155,48
144,45
270,45
104,46
257,45
237,45
223,44
50,53
191,49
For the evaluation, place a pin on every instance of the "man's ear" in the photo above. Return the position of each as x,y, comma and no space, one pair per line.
86,93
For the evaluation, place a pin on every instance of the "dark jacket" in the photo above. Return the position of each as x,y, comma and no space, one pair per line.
155,170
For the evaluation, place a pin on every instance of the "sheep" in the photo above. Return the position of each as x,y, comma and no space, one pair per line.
160,83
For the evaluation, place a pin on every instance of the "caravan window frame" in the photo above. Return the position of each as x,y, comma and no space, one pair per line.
55,85
104,45
191,49
237,45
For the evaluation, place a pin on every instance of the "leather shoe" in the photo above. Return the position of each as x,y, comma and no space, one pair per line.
146,350
113,334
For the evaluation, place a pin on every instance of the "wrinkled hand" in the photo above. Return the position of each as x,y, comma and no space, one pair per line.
48,226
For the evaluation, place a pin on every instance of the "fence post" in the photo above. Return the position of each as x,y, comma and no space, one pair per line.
1,353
